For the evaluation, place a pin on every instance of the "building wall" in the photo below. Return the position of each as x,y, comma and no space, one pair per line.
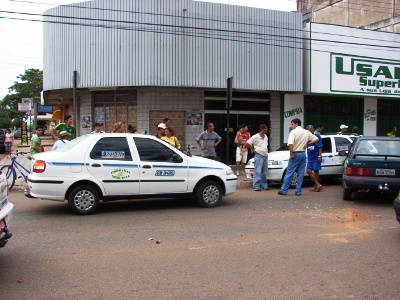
389,25
171,43
353,13
171,101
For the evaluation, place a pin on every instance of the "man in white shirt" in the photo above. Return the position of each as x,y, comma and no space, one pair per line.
258,143
298,140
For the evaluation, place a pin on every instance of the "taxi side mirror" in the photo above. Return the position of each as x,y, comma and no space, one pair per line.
177,158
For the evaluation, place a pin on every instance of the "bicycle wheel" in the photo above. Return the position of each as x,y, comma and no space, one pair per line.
11,175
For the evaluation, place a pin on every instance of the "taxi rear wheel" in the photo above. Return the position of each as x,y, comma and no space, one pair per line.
209,194
83,200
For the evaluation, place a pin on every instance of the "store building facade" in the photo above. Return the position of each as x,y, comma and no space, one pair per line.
351,76
140,61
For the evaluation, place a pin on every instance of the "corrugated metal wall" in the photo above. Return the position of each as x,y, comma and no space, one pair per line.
172,43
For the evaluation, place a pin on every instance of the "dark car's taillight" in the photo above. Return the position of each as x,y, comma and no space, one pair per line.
358,171
39,166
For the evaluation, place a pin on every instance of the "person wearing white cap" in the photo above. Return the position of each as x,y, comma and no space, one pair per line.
343,129
64,140
161,130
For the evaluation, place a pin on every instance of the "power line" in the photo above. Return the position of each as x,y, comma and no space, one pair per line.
73,5
182,27
186,17
335,5
203,35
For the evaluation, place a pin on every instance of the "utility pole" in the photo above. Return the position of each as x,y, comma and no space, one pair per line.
228,106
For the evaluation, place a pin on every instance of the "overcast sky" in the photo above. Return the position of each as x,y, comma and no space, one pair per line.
21,43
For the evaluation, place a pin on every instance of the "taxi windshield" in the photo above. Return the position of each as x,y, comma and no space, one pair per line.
72,143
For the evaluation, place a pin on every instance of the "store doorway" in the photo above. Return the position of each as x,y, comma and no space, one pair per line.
253,121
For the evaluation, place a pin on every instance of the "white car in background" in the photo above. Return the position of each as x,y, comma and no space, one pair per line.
6,211
333,152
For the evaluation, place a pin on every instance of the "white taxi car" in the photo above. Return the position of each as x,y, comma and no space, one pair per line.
115,166
334,150
6,211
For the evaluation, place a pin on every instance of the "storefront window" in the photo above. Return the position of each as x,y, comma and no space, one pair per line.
388,115
115,106
333,111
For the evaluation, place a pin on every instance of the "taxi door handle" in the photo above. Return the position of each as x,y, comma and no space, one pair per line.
146,167
96,165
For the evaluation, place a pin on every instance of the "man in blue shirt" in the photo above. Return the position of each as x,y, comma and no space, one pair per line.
314,157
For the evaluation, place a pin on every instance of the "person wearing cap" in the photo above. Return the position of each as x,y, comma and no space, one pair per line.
314,159
64,140
97,128
161,130
343,129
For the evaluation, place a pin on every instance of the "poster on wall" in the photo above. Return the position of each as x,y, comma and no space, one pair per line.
101,114
86,122
194,119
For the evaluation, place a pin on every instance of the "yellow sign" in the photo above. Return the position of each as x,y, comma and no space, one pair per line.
24,133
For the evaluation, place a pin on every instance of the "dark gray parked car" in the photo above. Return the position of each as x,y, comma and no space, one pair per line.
372,164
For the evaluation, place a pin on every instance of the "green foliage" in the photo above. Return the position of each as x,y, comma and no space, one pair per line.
29,86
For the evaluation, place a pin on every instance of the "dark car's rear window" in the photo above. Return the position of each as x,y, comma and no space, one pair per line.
378,147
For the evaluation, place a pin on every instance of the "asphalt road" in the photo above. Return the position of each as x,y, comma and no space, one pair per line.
256,245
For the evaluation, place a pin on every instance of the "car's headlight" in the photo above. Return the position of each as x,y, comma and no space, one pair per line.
274,162
229,171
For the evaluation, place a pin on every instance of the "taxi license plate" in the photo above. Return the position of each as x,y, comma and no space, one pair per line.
385,172
251,171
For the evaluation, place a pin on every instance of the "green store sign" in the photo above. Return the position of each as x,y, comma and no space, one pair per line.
366,75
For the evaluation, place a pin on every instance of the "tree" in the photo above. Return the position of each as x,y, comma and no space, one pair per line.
29,86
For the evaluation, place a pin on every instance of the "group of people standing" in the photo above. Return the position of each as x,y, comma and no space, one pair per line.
167,133
300,140
62,134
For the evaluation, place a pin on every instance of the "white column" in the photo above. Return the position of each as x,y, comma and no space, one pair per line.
370,116
293,107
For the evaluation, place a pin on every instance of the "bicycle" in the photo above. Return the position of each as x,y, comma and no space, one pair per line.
11,170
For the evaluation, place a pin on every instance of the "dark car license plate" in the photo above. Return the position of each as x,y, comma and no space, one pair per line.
385,172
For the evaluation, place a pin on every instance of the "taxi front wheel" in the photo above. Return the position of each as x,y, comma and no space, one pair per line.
209,194
83,200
